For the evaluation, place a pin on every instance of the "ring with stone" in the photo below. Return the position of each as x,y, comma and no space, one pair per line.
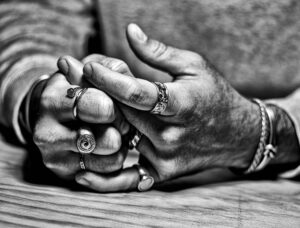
76,92
146,181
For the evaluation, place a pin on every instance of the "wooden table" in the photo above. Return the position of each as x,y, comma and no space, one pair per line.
31,197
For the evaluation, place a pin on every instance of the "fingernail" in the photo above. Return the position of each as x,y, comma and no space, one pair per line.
63,66
82,181
139,34
88,70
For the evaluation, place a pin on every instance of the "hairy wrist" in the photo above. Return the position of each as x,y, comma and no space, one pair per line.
284,131
248,130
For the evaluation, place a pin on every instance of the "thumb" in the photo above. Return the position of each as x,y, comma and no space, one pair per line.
158,55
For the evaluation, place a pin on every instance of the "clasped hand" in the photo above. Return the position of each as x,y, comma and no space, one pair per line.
206,123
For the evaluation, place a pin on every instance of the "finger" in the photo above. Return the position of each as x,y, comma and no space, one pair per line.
50,135
94,106
118,66
108,140
66,164
72,69
137,93
157,54
125,180
120,122
110,63
105,163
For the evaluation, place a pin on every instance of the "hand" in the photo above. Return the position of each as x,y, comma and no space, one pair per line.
56,129
206,123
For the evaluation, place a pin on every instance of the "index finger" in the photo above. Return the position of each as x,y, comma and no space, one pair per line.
126,180
134,92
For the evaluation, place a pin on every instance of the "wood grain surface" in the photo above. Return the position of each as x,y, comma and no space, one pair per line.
31,197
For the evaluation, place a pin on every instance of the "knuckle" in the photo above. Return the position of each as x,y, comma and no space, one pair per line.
158,48
171,136
107,110
43,136
48,100
114,140
135,94
56,166
39,138
118,65
196,57
167,169
196,60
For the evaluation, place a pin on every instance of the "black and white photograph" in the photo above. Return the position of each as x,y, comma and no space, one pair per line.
150,113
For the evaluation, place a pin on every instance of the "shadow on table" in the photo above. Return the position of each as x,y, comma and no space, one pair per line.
35,172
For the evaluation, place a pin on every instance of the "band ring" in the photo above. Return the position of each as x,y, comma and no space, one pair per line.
162,100
133,143
76,92
86,143
81,162
146,181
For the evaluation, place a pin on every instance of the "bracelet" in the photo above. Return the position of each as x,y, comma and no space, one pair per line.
28,99
271,148
265,152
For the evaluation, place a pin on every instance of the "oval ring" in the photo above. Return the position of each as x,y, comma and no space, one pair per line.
86,143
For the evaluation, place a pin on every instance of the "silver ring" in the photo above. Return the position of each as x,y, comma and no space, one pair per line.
86,143
135,140
162,100
76,92
146,181
81,162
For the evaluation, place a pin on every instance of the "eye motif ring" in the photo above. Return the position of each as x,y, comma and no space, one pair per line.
76,92
162,100
86,143
146,181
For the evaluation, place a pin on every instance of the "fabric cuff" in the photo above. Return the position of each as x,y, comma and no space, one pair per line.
291,105
16,85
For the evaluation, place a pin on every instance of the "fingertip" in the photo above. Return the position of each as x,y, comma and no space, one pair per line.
63,65
136,33
88,69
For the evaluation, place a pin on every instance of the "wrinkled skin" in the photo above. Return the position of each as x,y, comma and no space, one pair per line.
206,123
56,130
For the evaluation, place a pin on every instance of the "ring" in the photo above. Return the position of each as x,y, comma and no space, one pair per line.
81,162
162,100
146,181
76,92
135,139
86,143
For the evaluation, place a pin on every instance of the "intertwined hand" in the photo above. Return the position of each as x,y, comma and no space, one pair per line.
206,123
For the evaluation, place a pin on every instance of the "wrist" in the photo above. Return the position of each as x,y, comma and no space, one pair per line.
249,129
287,145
